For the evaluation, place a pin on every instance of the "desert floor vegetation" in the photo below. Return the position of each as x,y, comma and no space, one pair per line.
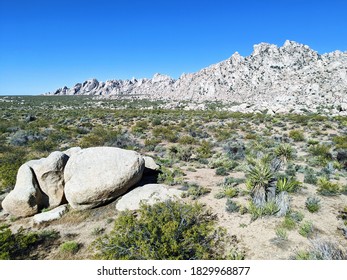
270,187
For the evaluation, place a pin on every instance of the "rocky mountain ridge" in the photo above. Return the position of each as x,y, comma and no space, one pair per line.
279,79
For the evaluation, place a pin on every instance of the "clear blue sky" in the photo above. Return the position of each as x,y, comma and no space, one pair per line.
47,44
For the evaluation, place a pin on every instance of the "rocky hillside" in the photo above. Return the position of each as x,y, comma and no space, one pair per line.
271,77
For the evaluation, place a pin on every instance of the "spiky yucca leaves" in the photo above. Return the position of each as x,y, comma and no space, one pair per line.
259,178
288,185
285,152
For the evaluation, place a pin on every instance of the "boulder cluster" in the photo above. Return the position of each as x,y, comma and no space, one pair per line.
83,178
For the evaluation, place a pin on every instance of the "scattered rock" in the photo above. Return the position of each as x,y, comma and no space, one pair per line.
150,164
26,198
51,215
149,194
97,175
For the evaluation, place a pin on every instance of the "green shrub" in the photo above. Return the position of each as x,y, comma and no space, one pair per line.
20,245
281,234
195,191
163,231
297,135
306,229
285,151
321,150
205,149
288,223
269,208
170,177
340,141
310,176
230,191
69,247
187,140
325,187
231,206
312,204
221,171
9,165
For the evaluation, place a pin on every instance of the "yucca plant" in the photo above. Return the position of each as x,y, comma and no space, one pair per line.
288,185
258,179
285,152
325,187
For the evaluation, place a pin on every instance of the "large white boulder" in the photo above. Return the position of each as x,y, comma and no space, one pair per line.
149,194
26,198
97,175
50,176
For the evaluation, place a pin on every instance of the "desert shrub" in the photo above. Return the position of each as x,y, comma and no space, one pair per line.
312,204
296,216
205,149
291,170
69,247
297,135
170,177
221,171
281,234
310,176
165,133
289,185
231,206
166,230
230,191
194,190
269,209
285,152
10,161
187,140
340,141
289,222
321,150
20,245
151,143
234,150
183,153
322,250
140,127
325,187
306,229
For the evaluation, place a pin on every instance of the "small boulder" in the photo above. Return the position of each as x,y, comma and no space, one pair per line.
97,175
51,215
149,194
150,164
26,198
50,176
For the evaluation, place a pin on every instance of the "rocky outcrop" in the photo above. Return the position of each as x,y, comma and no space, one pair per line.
26,198
85,178
148,194
97,175
291,78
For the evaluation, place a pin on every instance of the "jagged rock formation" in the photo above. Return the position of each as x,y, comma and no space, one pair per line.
270,78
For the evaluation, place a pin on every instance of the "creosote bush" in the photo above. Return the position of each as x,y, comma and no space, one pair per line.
166,230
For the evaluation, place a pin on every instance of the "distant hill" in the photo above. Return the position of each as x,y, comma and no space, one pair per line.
271,77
